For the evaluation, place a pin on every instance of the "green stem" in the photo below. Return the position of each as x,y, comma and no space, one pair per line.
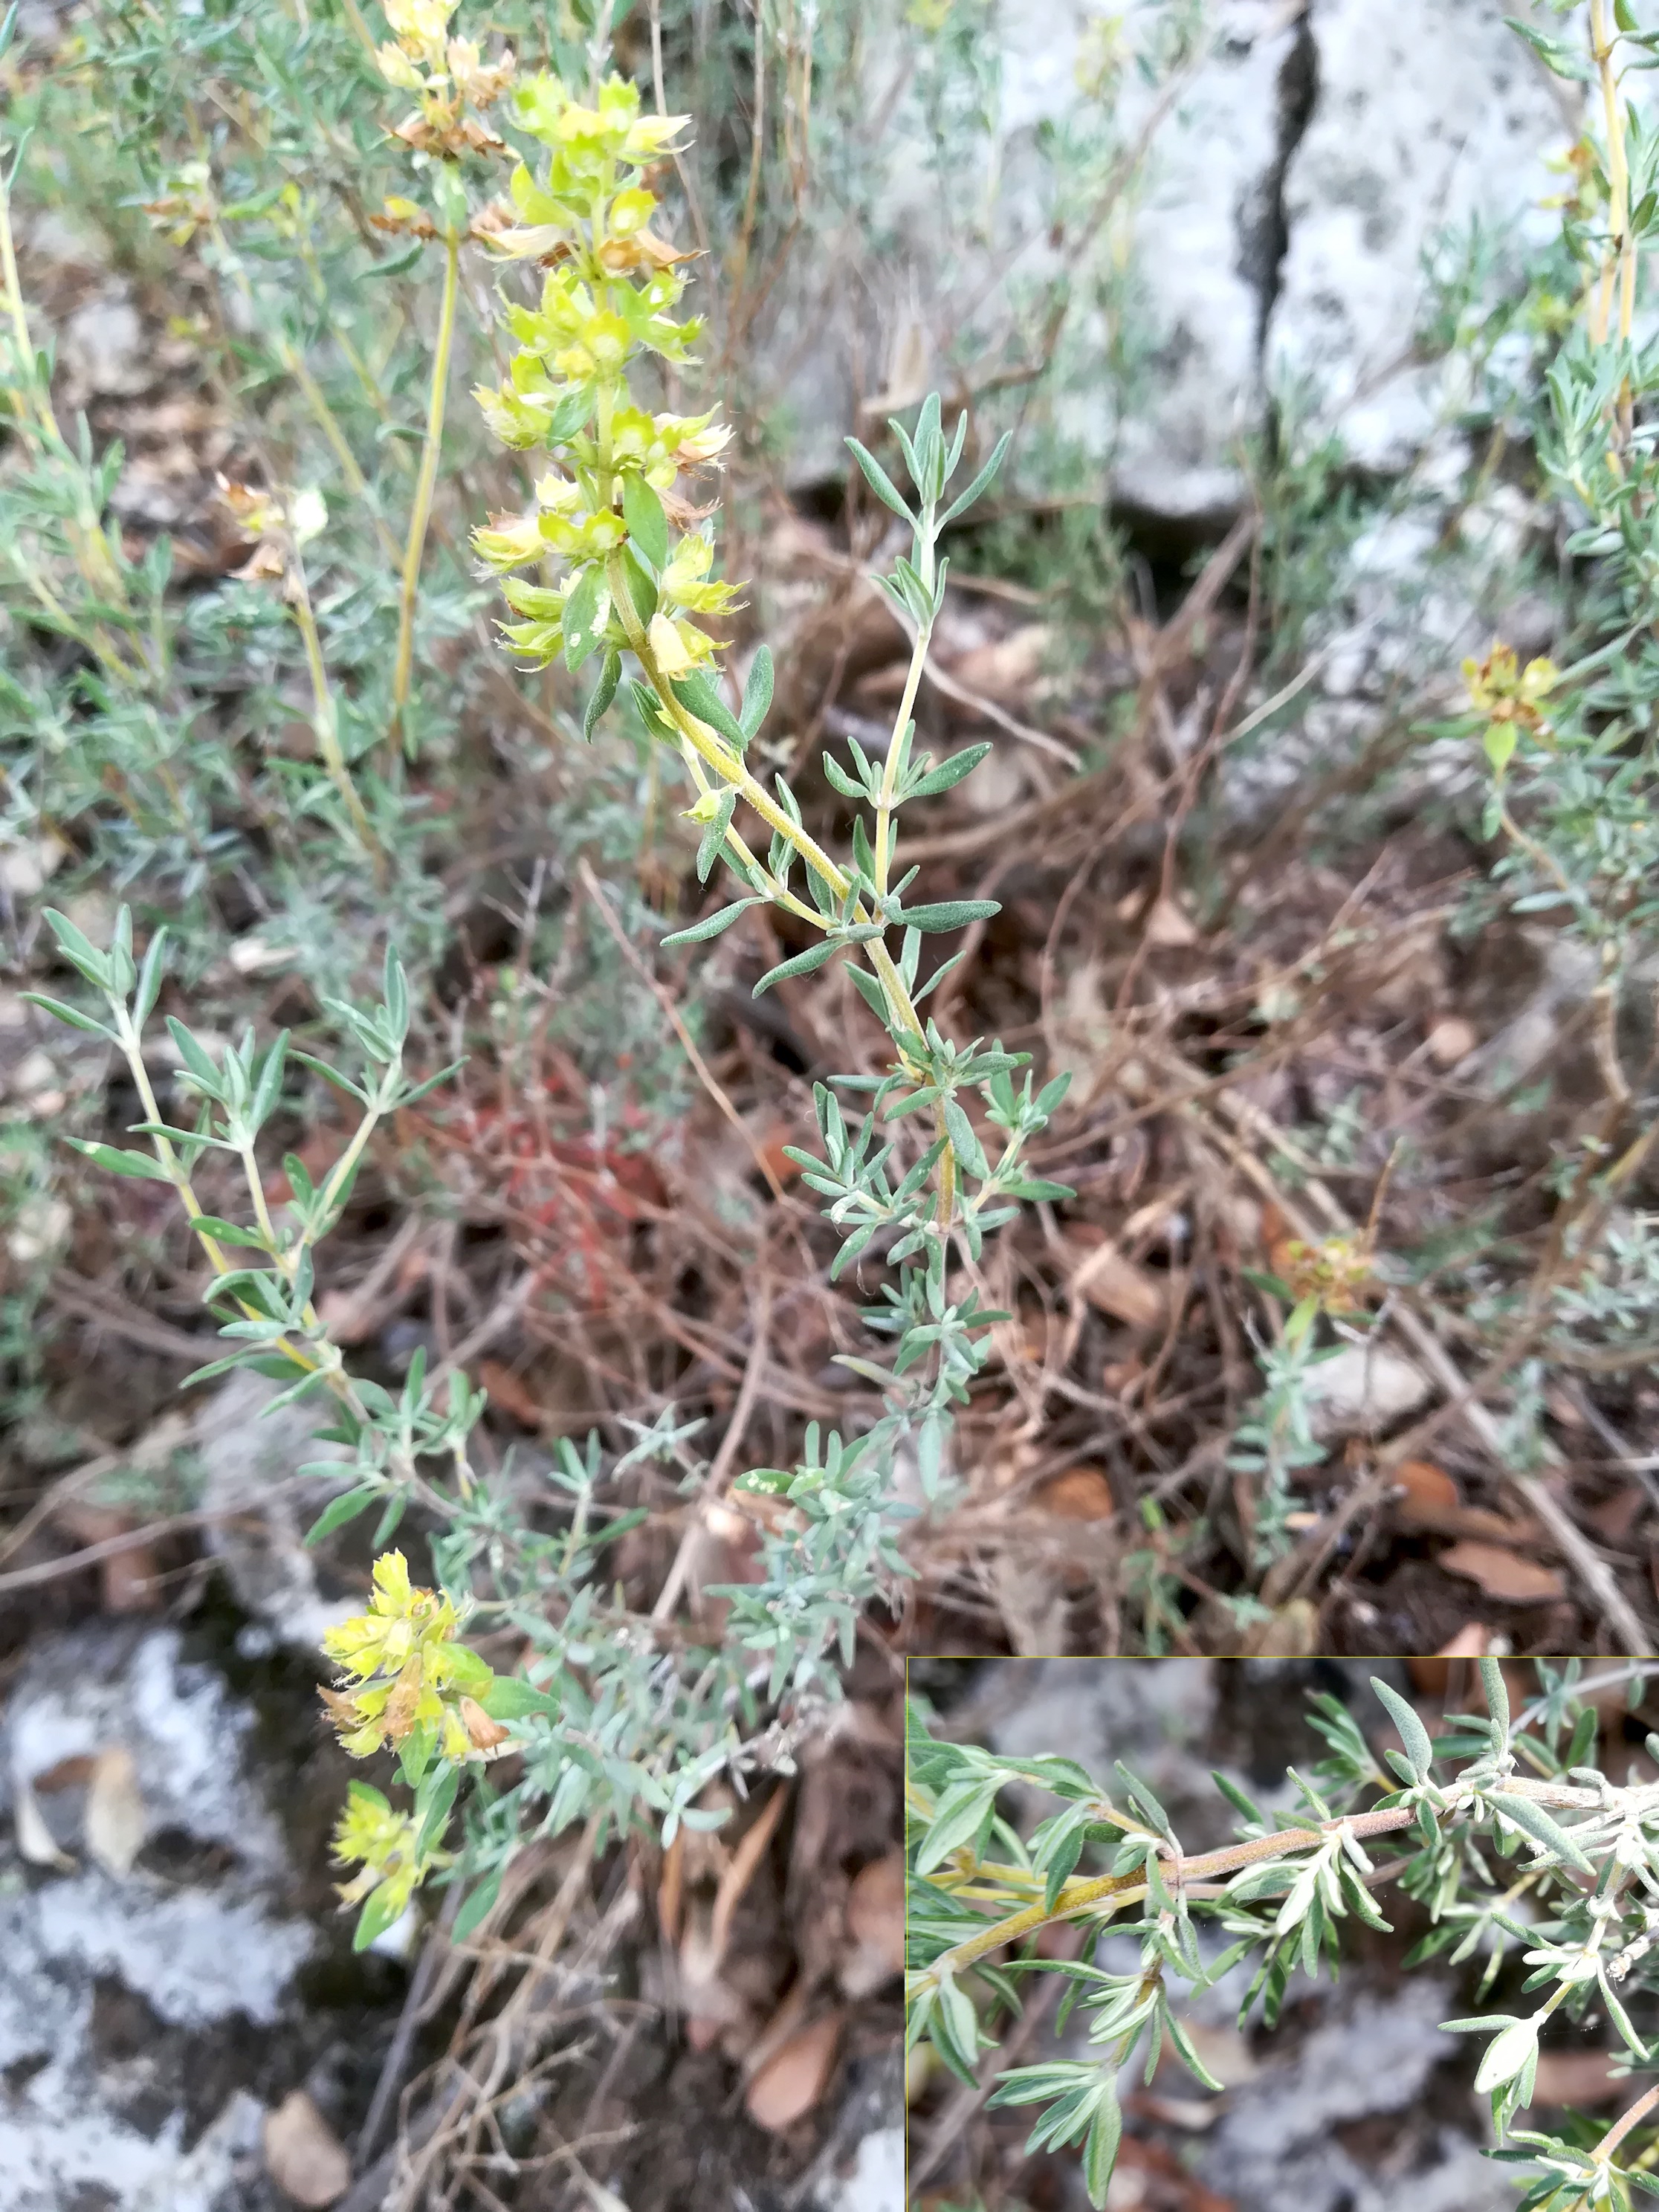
903,1017
1622,2126
425,486
19,321
889,770
132,1052
1079,1894
325,716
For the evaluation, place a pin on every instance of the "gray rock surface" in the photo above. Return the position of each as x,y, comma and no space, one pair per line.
1423,116
1333,2123
105,351
1293,176
87,2117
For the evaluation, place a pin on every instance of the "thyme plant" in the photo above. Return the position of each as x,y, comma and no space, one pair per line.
1520,1852
619,1717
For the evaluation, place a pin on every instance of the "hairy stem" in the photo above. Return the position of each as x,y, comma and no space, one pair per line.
889,771
1079,1895
904,1019
1622,2126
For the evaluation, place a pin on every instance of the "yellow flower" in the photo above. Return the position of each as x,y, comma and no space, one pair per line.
396,67
1505,692
668,648
685,581
420,27
384,1844
704,443
406,1668
557,495
651,136
630,211
515,420
509,541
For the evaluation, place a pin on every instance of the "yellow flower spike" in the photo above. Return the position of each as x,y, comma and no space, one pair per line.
385,1847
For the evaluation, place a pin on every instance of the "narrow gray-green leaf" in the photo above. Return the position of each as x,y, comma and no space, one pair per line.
1533,1820
1418,1743
711,925
1100,2146
802,964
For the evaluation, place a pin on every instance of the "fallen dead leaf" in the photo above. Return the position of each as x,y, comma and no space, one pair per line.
1224,2051
875,1920
303,2155
345,1319
117,1820
1156,2175
1168,925
1363,1388
131,1581
1424,1486
1081,1493
1117,1287
507,1391
795,2076
1503,1574
1008,668
771,1145
1471,1642
1193,2115
1616,1516
1574,2077
1430,1672
129,1578
34,1838
72,1773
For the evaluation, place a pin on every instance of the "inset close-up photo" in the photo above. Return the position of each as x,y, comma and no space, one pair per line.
1234,1935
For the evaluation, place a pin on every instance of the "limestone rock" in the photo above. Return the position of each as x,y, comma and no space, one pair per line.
1423,118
